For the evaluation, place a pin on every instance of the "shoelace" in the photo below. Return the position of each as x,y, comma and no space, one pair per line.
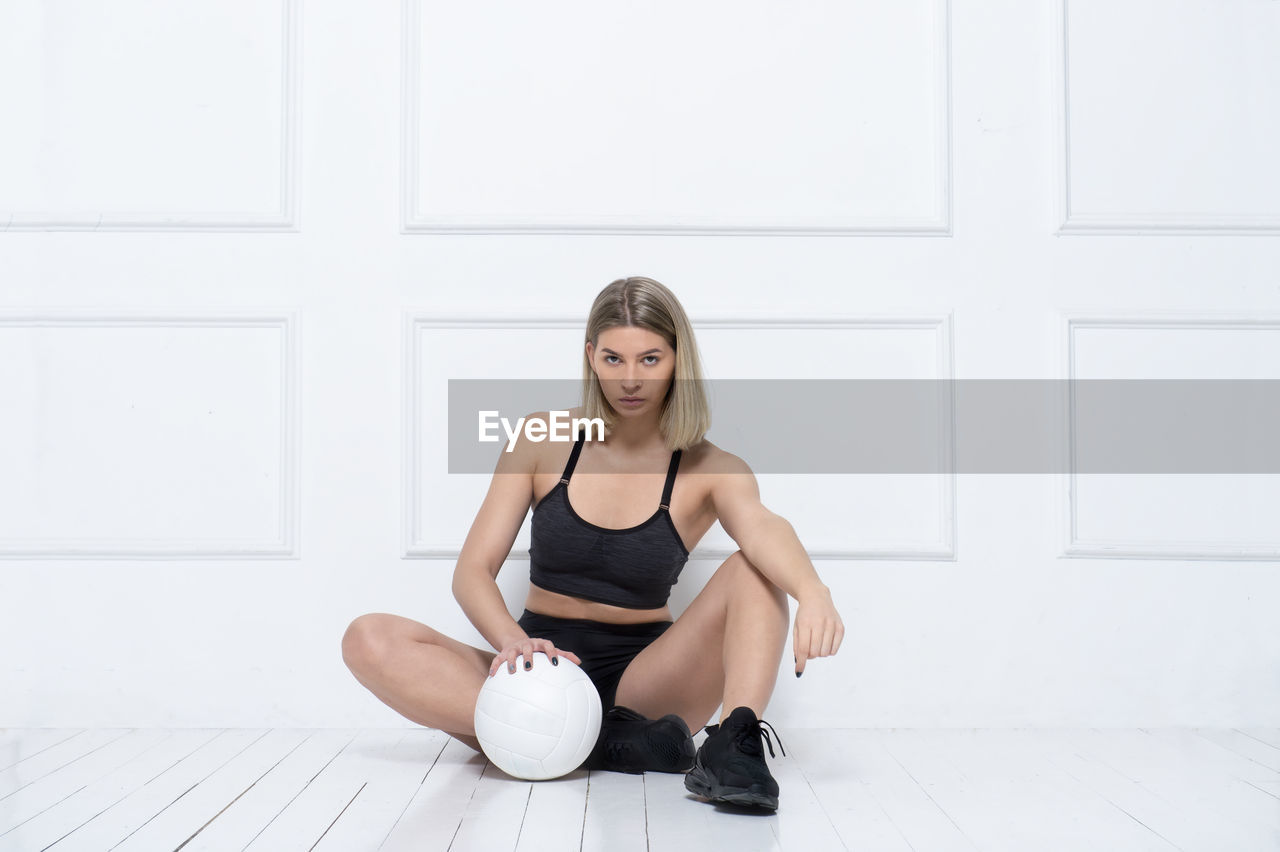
744,734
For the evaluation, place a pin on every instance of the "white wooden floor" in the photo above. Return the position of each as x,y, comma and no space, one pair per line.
911,790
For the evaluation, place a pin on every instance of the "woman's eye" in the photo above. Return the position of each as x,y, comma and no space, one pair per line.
609,359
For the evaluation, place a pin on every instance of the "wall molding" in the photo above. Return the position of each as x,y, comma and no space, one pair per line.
1073,545
285,544
415,545
414,221
1068,220
284,218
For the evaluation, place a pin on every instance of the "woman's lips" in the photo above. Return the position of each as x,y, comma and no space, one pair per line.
631,401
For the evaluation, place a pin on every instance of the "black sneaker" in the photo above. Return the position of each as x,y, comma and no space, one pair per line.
729,766
630,742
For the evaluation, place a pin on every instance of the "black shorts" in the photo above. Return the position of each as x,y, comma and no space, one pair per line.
604,648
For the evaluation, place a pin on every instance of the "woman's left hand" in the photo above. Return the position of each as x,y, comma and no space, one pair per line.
818,628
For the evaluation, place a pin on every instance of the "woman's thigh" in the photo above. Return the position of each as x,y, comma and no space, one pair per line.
373,639
682,671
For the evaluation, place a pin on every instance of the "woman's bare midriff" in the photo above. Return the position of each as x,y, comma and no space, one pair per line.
565,606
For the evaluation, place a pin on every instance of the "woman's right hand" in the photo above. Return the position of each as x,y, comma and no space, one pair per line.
526,648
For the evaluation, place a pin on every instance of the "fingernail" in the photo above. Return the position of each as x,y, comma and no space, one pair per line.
511,668
527,665
555,661
799,673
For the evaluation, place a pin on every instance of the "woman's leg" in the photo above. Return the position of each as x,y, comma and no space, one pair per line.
725,648
420,673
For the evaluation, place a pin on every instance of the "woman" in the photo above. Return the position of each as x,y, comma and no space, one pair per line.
599,580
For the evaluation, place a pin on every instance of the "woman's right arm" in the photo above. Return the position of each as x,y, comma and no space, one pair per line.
489,541
486,547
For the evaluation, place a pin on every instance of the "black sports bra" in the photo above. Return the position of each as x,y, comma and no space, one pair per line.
633,567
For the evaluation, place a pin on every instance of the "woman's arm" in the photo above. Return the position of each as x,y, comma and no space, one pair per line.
770,543
489,542
480,599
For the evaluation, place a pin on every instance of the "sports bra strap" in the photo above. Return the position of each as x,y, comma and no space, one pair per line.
573,459
671,480
666,488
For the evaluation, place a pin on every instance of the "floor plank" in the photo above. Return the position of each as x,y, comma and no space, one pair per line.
248,816
494,812
432,816
1261,754
131,813
1271,736
392,781
184,818
1020,792
314,811
833,763
1098,760
912,808
96,798
44,762
554,817
18,744
615,811
56,790
898,790
1192,774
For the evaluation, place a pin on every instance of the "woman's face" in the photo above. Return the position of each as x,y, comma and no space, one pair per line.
634,366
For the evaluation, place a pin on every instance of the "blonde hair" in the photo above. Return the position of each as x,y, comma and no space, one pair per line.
644,303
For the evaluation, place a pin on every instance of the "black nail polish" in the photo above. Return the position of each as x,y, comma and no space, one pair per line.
799,673
555,661
527,665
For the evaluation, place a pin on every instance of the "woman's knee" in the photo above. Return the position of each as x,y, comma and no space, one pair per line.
368,639
749,579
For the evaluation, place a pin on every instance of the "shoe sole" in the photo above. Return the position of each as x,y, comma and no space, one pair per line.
697,782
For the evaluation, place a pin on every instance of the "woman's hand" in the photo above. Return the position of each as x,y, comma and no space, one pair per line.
818,628
527,647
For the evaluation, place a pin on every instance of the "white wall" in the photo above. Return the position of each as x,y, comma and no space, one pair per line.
228,223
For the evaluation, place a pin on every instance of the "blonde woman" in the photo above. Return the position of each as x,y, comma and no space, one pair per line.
613,524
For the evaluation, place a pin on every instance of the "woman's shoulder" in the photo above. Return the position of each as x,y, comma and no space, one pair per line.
705,457
541,438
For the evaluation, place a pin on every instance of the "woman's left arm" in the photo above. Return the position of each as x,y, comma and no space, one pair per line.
770,543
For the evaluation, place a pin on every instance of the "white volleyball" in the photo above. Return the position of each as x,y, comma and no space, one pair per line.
538,723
